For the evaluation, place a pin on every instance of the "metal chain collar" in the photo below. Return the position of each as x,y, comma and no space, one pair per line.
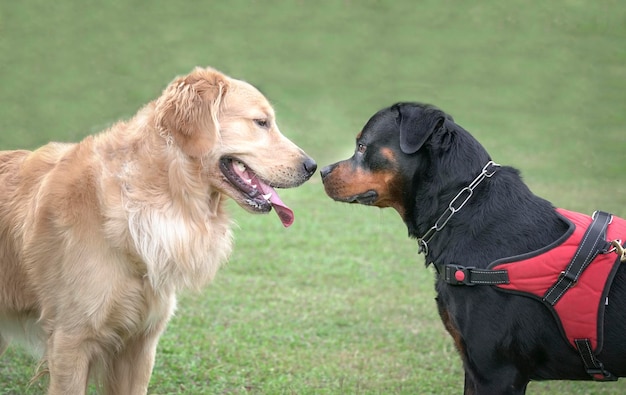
455,205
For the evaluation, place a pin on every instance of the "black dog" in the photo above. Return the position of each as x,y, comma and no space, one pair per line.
468,212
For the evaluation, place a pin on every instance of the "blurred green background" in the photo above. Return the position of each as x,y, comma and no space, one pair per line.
340,302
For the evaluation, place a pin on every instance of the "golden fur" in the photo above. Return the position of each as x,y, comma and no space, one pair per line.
97,237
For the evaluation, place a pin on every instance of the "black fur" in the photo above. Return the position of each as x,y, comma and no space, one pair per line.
505,340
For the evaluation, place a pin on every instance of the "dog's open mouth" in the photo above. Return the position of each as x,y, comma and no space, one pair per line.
259,195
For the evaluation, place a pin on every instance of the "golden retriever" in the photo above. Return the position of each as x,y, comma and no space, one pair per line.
97,238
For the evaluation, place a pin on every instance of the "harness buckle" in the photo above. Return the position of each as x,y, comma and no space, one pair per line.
458,275
601,374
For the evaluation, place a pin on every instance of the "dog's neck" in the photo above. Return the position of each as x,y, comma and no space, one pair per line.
449,162
434,225
481,231
456,204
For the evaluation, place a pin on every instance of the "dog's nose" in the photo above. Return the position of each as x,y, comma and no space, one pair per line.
310,166
326,171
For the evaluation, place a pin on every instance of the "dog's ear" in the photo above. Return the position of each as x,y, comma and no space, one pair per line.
417,123
188,110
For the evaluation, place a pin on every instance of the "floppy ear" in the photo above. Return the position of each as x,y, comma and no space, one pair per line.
417,123
188,109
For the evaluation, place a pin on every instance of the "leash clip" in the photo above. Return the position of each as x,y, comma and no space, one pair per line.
490,168
618,249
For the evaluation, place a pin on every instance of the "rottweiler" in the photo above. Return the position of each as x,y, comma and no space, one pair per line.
470,215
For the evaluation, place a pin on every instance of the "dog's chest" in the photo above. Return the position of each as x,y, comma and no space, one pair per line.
176,249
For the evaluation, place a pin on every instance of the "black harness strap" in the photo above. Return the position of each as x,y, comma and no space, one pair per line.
594,242
594,367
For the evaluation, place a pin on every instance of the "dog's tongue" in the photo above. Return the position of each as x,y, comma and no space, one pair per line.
284,213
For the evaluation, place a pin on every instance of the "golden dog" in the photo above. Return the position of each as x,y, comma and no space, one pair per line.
96,238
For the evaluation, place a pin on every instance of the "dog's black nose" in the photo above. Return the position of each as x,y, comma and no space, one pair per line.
326,170
310,166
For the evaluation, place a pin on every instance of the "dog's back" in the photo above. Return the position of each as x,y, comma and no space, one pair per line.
21,174
12,213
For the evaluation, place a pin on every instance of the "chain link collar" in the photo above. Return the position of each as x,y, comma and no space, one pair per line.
455,205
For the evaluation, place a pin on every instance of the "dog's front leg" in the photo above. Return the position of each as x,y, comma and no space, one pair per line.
68,362
469,387
132,367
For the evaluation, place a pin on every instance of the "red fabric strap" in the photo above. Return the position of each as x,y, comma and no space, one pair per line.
580,307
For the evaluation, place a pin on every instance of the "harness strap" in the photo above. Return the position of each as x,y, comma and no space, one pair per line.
461,275
593,367
594,242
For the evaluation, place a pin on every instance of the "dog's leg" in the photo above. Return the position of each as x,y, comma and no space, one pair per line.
68,363
131,369
503,379
469,387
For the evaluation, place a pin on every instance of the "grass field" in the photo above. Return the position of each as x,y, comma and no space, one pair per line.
340,303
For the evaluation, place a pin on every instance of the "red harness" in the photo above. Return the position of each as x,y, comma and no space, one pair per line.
572,277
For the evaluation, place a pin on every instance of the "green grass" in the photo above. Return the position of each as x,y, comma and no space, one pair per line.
340,303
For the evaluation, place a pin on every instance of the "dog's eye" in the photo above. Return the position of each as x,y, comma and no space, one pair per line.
361,148
262,123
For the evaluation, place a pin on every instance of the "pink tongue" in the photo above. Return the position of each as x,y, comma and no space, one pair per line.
284,213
